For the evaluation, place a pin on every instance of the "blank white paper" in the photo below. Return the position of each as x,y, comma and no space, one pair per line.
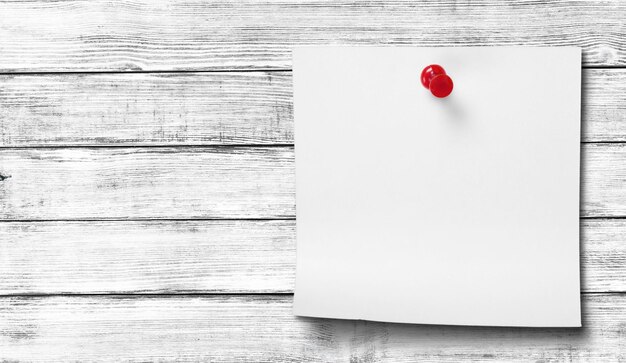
414,209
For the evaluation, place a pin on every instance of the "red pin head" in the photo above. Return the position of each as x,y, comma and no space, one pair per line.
435,79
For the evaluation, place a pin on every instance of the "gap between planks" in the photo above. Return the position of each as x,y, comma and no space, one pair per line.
208,146
191,70
193,146
157,295
225,219
190,294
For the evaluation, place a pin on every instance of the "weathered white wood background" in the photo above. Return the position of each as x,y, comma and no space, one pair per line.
147,178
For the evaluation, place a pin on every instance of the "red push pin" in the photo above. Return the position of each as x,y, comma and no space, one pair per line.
435,79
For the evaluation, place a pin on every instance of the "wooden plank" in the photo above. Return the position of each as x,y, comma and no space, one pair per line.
604,105
148,257
147,109
603,180
232,108
207,257
603,255
126,183
102,35
262,329
207,182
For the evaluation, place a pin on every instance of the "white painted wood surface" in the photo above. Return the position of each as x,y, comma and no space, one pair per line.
105,190
263,329
162,257
243,34
216,257
212,108
163,108
123,183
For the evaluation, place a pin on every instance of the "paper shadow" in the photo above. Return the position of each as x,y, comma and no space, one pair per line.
447,342
453,110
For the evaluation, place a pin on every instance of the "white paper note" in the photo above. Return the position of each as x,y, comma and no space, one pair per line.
414,209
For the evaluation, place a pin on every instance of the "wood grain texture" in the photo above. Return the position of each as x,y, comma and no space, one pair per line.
603,180
208,182
603,255
122,183
198,35
207,257
231,108
150,257
262,329
148,109
603,105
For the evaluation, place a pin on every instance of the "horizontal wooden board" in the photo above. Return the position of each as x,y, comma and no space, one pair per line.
222,182
150,257
207,257
263,329
603,180
231,108
151,109
603,105
208,182
102,35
